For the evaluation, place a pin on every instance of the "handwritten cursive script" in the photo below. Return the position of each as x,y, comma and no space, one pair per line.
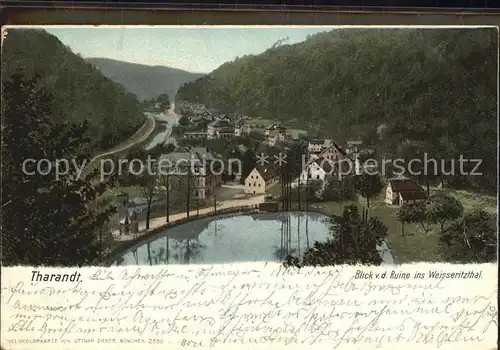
248,305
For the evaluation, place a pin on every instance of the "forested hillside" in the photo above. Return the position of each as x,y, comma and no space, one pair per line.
81,92
432,88
147,82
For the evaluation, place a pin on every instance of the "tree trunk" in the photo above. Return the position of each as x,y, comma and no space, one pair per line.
298,235
307,230
299,205
188,192
215,201
149,255
148,214
402,228
282,241
168,200
289,228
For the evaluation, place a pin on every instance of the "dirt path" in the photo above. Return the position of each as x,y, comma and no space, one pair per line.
160,221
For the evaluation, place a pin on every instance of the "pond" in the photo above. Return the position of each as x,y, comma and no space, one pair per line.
242,238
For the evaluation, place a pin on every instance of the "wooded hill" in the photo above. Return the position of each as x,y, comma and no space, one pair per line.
81,92
436,89
147,82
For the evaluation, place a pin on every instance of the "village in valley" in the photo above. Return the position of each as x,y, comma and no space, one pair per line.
279,169
272,141
253,158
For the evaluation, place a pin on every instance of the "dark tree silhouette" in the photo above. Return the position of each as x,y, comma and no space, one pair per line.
317,86
442,209
412,213
45,221
472,238
368,186
163,101
354,241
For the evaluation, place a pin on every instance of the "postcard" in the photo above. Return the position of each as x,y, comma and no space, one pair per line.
258,187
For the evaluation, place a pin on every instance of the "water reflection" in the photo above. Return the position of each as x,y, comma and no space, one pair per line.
257,237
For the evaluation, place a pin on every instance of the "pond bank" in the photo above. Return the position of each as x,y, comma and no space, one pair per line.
235,234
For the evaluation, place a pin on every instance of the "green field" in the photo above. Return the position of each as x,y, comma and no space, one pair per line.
416,245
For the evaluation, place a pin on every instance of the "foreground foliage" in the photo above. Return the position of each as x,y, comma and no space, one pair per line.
471,238
46,221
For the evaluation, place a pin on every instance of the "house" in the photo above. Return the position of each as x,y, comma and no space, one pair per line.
195,135
207,169
225,133
332,152
315,146
334,155
220,129
275,133
260,178
318,146
403,190
203,116
316,169
207,174
412,197
210,177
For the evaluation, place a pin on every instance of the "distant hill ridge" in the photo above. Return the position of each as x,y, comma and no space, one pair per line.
392,88
80,91
142,80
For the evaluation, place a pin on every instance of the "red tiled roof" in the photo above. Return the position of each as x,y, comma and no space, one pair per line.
405,185
412,195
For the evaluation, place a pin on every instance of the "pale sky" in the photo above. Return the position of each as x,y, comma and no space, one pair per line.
193,49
